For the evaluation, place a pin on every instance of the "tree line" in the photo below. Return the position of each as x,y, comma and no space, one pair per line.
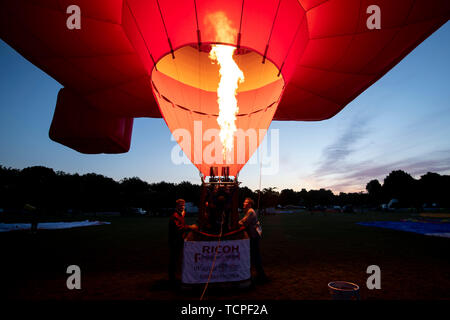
431,189
57,192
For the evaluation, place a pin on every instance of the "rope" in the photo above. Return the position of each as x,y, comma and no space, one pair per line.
260,175
258,210
165,29
218,235
215,256
271,30
140,32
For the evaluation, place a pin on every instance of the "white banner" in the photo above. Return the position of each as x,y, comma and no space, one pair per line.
232,261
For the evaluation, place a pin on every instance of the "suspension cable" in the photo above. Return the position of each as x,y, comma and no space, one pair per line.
260,176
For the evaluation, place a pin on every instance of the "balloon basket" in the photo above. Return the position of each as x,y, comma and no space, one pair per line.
217,254
223,265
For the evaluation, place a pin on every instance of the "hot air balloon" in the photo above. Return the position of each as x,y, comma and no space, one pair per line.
301,60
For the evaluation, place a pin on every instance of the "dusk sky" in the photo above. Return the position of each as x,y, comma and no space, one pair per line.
400,122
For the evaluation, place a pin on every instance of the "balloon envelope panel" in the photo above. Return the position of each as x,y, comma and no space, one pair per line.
323,49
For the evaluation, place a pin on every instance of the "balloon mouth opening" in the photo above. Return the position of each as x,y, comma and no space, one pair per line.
206,47
185,84
185,78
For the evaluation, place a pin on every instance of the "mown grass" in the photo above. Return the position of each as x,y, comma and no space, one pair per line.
301,253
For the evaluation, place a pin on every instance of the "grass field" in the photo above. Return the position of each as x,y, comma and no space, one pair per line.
301,254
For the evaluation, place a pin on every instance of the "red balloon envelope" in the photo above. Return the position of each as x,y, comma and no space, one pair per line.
302,60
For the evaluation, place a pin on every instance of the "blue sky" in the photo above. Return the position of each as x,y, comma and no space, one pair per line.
400,122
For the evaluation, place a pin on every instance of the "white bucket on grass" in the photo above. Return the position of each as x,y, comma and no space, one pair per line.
343,290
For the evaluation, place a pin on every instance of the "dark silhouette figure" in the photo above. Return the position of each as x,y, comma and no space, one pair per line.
177,232
34,217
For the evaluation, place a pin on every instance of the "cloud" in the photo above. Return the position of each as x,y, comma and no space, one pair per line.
337,170
336,154
359,174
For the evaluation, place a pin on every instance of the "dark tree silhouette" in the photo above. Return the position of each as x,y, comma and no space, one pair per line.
400,185
245,192
434,188
374,189
57,192
269,198
288,197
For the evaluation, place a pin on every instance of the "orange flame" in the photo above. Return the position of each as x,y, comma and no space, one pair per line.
230,78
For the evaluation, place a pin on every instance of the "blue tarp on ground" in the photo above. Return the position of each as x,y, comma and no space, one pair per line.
426,228
5,227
